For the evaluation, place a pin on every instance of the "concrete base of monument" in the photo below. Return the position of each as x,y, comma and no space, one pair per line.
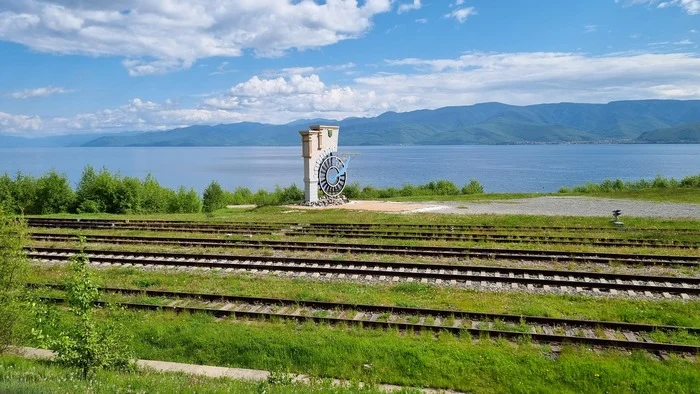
371,205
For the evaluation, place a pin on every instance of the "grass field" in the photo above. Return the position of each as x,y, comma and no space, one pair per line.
273,214
18,375
425,360
359,354
669,312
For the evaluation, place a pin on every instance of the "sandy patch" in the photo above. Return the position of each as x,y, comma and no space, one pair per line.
382,206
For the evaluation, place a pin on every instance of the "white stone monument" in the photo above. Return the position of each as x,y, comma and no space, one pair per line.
319,146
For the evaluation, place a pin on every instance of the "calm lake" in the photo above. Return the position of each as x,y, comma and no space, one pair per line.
511,168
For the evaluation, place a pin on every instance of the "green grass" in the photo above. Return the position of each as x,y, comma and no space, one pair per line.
679,195
429,360
18,375
277,214
669,312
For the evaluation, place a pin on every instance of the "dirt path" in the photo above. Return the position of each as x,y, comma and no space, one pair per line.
549,206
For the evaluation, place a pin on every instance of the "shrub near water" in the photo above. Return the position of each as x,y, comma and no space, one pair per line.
105,192
609,185
435,188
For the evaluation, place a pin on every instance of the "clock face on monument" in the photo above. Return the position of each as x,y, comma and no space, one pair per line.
332,174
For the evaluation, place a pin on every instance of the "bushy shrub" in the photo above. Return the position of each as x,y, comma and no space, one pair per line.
691,181
7,194
659,182
185,201
13,270
352,190
288,195
87,344
53,194
473,187
24,193
240,196
443,188
213,198
154,197
89,206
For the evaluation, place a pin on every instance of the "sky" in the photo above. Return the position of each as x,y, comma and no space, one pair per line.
87,66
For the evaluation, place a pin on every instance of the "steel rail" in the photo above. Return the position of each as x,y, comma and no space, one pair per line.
435,251
381,234
352,225
497,238
453,227
442,313
108,226
405,326
443,272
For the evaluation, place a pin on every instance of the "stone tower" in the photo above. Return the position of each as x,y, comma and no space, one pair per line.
316,143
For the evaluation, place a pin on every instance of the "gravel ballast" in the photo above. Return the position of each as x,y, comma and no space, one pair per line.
567,206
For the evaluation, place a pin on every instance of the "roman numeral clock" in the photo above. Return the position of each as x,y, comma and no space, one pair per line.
324,167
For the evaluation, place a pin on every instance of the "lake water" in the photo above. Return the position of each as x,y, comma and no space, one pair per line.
511,168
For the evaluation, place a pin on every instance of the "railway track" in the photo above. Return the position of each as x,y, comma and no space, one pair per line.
383,233
497,238
337,226
537,328
465,275
469,227
432,251
121,225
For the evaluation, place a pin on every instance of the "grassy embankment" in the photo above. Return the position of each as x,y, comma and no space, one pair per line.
428,360
18,375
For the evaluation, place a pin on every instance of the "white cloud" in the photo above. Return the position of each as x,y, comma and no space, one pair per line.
223,68
421,20
415,5
306,70
590,28
284,99
18,123
404,85
692,7
38,92
529,78
165,35
462,14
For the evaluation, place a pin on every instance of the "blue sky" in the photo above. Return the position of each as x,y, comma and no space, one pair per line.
79,66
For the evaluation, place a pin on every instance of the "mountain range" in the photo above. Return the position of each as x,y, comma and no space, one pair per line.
638,121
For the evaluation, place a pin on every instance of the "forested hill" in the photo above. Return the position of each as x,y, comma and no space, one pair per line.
684,134
641,121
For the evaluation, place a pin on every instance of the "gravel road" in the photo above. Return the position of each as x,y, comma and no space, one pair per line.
568,206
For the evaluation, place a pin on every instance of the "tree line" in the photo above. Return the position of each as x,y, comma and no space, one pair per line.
106,192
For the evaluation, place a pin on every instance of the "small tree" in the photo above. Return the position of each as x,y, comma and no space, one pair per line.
53,193
88,344
214,197
13,266
473,187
